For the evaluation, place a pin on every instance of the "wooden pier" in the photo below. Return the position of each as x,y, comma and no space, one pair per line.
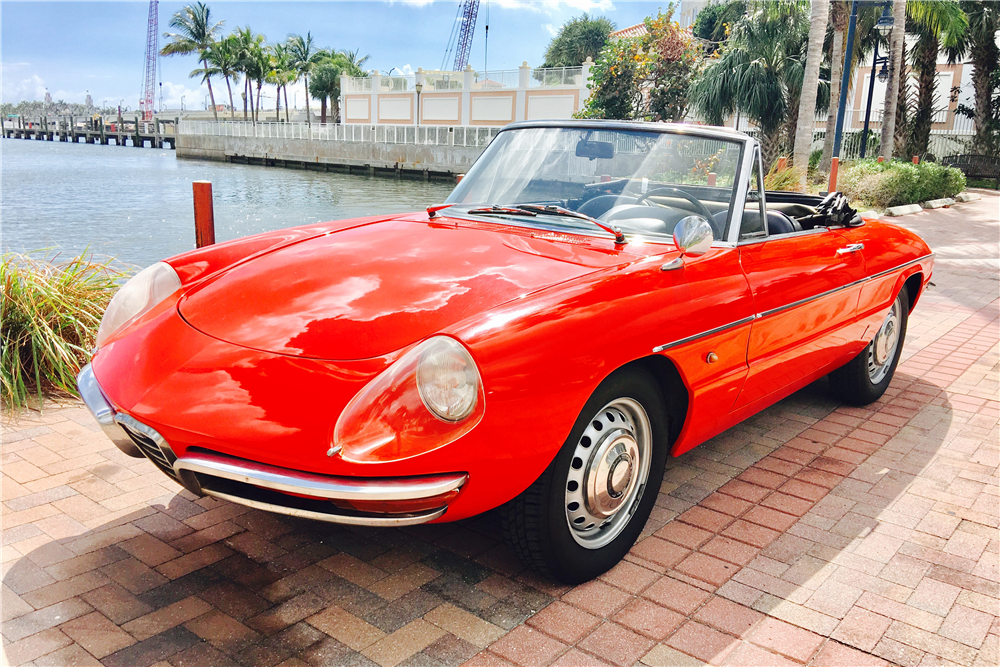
157,133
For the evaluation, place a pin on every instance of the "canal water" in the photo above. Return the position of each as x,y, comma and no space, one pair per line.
135,204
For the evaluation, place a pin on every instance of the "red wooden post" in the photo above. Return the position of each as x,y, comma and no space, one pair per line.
916,159
782,163
711,179
834,165
204,214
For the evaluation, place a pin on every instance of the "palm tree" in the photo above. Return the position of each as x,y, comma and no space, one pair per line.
355,64
936,23
810,82
582,37
326,84
758,73
979,44
280,74
896,72
250,54
195,33
224,58
303,59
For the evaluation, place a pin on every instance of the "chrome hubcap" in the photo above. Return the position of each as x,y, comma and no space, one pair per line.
882,350
608,473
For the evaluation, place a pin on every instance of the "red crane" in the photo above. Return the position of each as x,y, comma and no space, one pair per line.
146,102
460,40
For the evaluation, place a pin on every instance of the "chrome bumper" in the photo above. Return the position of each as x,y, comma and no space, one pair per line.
265,487
105,415
281,490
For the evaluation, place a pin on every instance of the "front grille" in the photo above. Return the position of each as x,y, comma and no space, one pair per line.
152,451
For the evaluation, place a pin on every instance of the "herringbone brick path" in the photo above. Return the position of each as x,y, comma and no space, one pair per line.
812,534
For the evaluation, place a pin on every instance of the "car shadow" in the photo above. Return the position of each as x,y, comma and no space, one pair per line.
201,581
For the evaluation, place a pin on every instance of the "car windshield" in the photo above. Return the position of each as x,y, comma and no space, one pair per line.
642,182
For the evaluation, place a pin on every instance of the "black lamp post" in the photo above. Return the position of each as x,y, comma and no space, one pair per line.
884,26
883,76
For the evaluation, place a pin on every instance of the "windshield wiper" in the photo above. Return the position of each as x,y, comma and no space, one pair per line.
500,210
559,210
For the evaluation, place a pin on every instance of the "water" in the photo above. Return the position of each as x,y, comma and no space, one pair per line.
135,204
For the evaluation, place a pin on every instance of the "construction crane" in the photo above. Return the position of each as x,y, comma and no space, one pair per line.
146,102
460,40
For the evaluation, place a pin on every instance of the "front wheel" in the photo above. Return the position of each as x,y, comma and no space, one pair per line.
584,513
865,378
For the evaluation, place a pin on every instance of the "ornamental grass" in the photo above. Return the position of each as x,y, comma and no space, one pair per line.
49,314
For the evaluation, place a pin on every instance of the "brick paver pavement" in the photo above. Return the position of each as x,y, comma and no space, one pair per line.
812,534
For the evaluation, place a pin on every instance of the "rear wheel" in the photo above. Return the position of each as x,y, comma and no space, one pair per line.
865,378
584,513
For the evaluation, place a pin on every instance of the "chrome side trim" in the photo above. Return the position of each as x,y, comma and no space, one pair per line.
320,486
386,521
773,311
661,348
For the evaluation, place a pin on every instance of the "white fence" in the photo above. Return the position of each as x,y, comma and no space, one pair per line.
429,135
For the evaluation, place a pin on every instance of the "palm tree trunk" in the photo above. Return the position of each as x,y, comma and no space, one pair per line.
308,118
902,130
926,66
211,95
896,71
836,73
260,84
335,104
985,56
287,120
277,104
810,85
770,147
246,87
232,109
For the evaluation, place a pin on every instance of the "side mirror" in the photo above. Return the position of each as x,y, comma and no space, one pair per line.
692,236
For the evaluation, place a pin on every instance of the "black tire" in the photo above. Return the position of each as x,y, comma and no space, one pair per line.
853,383
536,523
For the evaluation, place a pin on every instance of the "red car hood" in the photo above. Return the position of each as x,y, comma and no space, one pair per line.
370,290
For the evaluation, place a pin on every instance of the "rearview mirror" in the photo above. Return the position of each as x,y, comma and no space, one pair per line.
604,150
692,236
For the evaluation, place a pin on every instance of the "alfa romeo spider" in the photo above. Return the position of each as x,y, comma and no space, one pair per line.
592,298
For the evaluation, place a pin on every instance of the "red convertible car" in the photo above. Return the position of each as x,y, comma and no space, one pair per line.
592,298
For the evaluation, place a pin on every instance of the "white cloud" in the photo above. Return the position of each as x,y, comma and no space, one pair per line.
407,69
17,88
553,30
194,98
418,3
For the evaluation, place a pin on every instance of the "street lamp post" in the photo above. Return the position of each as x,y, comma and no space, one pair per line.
418,87
883,75
884,25
182,103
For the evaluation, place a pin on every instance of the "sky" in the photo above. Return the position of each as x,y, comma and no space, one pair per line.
70,48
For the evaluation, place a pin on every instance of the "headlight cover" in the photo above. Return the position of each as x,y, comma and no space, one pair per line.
145,289
429,397
447,380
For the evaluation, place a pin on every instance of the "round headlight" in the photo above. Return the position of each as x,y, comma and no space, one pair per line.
447,380
146,289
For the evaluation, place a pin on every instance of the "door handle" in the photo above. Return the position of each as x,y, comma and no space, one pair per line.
853,247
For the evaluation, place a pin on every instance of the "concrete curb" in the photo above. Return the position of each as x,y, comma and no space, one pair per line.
967,196
896,211
938,203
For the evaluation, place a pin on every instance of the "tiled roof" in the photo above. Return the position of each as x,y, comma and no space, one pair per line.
637,30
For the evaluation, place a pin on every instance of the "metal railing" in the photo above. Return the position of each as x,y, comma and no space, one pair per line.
424,135
556,76
540,77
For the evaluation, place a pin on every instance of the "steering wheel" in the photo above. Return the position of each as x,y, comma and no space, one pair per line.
684,195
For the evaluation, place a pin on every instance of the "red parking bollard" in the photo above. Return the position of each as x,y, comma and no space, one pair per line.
204,214
881,159
712,176
834,166
916,159
782,163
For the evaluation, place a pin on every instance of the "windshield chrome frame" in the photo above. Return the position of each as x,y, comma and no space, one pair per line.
747,144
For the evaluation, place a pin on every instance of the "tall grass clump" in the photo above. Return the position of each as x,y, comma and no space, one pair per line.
894,183
49,315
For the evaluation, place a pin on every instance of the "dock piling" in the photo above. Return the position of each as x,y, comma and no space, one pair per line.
204,214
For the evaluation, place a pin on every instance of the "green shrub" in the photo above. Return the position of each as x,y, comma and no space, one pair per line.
894,183
814,159
50,313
